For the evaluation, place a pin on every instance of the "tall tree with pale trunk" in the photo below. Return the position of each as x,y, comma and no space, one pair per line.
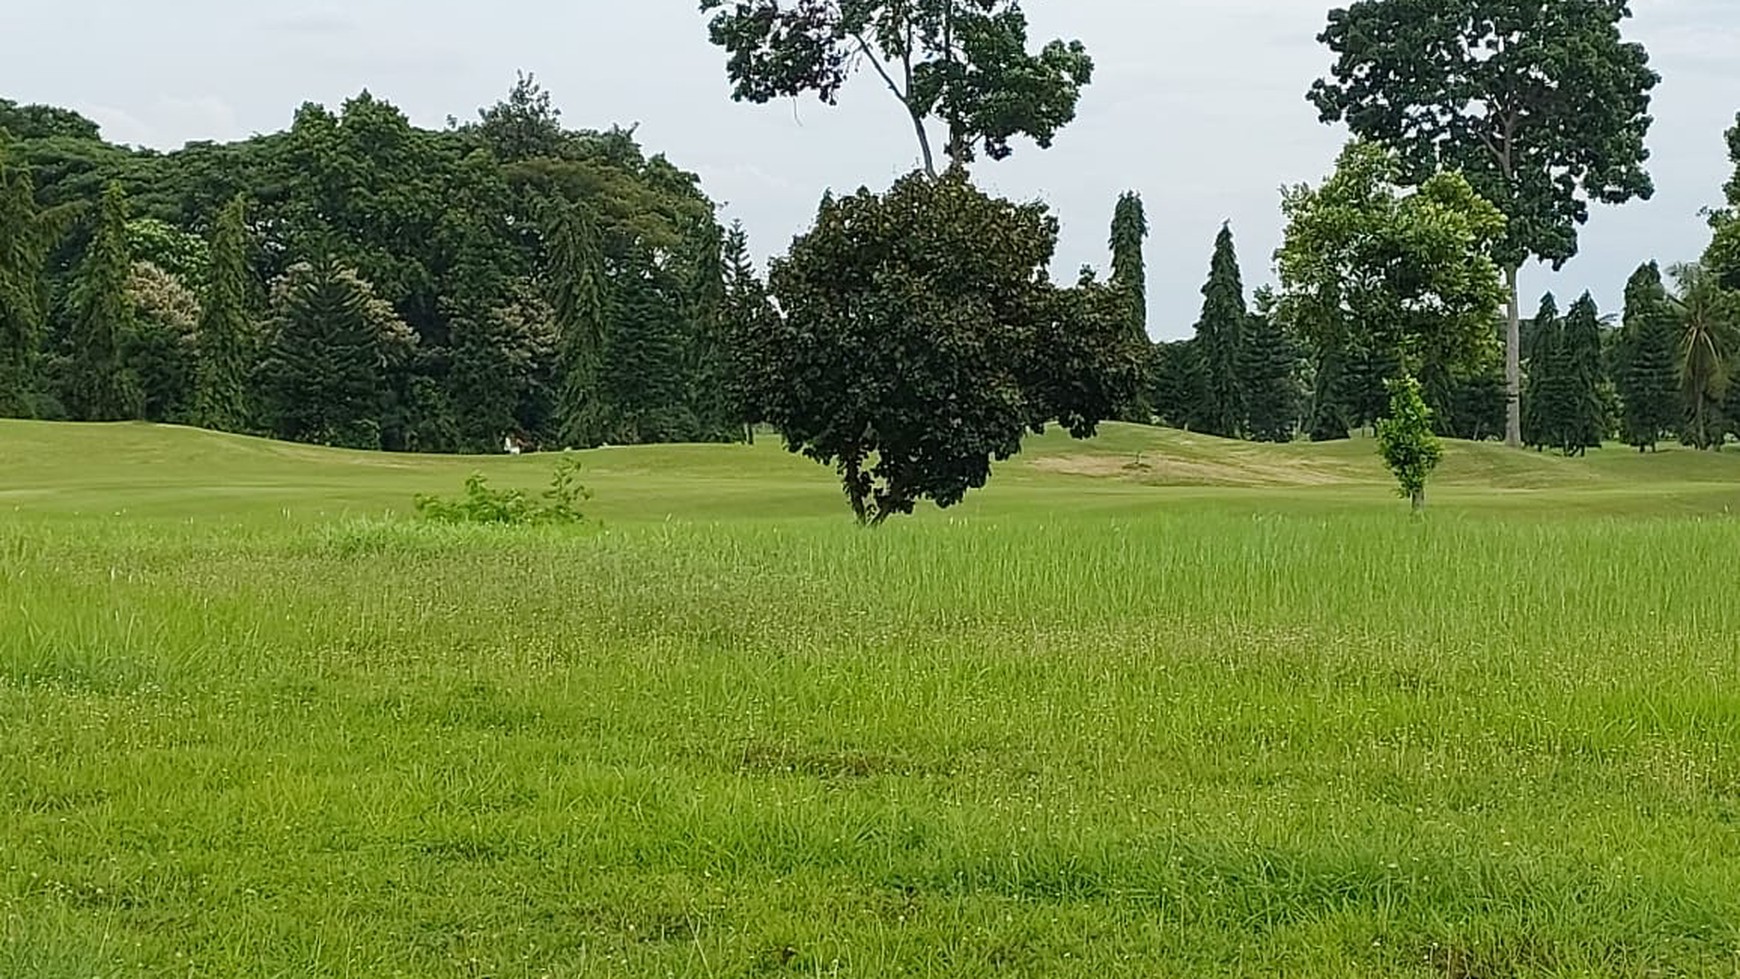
1541,104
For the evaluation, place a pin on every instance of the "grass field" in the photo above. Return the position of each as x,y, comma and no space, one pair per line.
1149,706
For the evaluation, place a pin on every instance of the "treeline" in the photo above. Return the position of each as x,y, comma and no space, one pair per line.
1660,369
359,281
1665,368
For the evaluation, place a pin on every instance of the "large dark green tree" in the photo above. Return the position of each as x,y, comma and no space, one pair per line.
1647,380
964,63
1541,104
920,340
102,319
643,365
225,341
1381,282
1220,340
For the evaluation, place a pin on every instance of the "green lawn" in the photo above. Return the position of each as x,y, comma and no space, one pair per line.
1153,705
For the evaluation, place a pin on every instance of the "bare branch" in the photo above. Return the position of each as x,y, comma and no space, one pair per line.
875,62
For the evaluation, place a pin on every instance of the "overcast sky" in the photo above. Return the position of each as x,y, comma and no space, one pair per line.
1197,104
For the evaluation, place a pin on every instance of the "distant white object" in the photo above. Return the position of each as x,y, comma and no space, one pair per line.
512,448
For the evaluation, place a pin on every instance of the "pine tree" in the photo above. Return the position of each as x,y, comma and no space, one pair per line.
1267,365
1130,278
643,363
1219,337
1477,403
1646,375
1172,383
1129,269
745,312
25,237
1584,420
1541,343
1364,384
225,338
321,373
1328,419
102,317
703,308
577,294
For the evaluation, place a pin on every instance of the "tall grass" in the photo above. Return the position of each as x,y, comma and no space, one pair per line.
1186,745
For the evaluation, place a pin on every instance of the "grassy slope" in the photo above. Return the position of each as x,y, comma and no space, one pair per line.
154,471
1098,728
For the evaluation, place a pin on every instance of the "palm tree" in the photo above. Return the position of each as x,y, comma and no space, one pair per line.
1708,334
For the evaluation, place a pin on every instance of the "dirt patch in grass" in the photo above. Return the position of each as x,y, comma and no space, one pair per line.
1172,471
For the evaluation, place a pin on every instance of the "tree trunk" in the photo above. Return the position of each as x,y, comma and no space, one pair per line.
1513,366
1418,499
924,145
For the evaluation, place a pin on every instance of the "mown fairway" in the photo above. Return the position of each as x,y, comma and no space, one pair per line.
1209,710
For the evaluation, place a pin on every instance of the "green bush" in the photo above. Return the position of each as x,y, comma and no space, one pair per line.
481,504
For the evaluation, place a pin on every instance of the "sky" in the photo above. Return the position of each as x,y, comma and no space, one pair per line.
1197,104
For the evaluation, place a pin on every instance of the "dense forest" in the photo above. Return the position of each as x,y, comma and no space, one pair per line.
358,281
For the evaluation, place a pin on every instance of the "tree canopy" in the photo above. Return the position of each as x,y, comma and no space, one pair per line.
965,63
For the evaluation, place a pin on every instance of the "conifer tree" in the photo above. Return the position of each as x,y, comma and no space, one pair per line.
1173,383
225,338
1584,422
25,237
745,311
320,375
1267,369
1541,353
1646,375
1364,383
1477,402
1130,279
1219,337
577,294
1328,419
1129,269
102,317
643,373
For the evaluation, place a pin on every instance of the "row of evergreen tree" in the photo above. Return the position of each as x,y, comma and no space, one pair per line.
1661,372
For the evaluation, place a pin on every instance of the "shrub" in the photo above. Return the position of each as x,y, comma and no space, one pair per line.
482,504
